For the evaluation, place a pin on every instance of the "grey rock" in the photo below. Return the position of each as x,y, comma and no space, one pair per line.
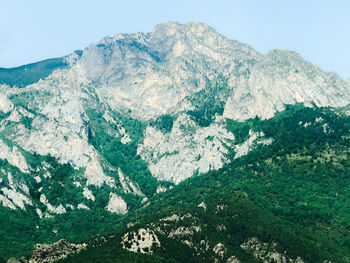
53,252
283,77
233,259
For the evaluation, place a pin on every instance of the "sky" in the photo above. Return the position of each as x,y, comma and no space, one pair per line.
39,29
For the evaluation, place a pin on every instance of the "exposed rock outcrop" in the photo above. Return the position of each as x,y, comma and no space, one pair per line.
128,185
219,249
267,252
283,77
13,156
53,252
5,104
177,155
143,240
117,204
233,259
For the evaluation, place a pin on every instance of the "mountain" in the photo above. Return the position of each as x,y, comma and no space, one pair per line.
139,128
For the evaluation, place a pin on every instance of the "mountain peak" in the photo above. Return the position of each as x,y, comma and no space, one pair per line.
196,28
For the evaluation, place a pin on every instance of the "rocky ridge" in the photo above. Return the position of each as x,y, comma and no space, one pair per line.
51,252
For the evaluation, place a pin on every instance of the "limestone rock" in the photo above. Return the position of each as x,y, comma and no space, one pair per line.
88,194
283,77
13,156
17,198
233,259
202,205
267,252
219,249
254,139
14,260
128,73
128,185
95,175
83,206
184,231
5,104
117,204
53,252
143,76
144,240
7,202
177,155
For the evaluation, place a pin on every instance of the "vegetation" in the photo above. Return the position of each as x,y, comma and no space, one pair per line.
107,141
294,192
164,123
209,102
31,73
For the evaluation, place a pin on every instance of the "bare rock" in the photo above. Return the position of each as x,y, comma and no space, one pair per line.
267,252
5,104
188,148
233,259
144,240
117,204
53,252
219,249
14,260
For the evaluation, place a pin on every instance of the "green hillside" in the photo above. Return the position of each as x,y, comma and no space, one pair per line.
30,73
294,192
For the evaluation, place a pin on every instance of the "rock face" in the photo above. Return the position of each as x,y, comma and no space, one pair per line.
254,138
142,241
267,252
175,156
116,204
53,252
283,77
5,104
13,156
219,249
14,260
233,259
150,73
15,194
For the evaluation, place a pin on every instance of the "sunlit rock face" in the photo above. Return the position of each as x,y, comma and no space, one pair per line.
187,149
150,73
5,104
117,205
283,77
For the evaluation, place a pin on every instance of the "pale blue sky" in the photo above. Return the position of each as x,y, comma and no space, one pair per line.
319,30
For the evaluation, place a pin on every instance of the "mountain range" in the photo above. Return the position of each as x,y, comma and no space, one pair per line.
178,145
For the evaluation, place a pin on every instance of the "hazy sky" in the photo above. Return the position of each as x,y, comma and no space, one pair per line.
319,30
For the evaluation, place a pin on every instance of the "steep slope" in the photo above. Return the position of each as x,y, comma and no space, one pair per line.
283,77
